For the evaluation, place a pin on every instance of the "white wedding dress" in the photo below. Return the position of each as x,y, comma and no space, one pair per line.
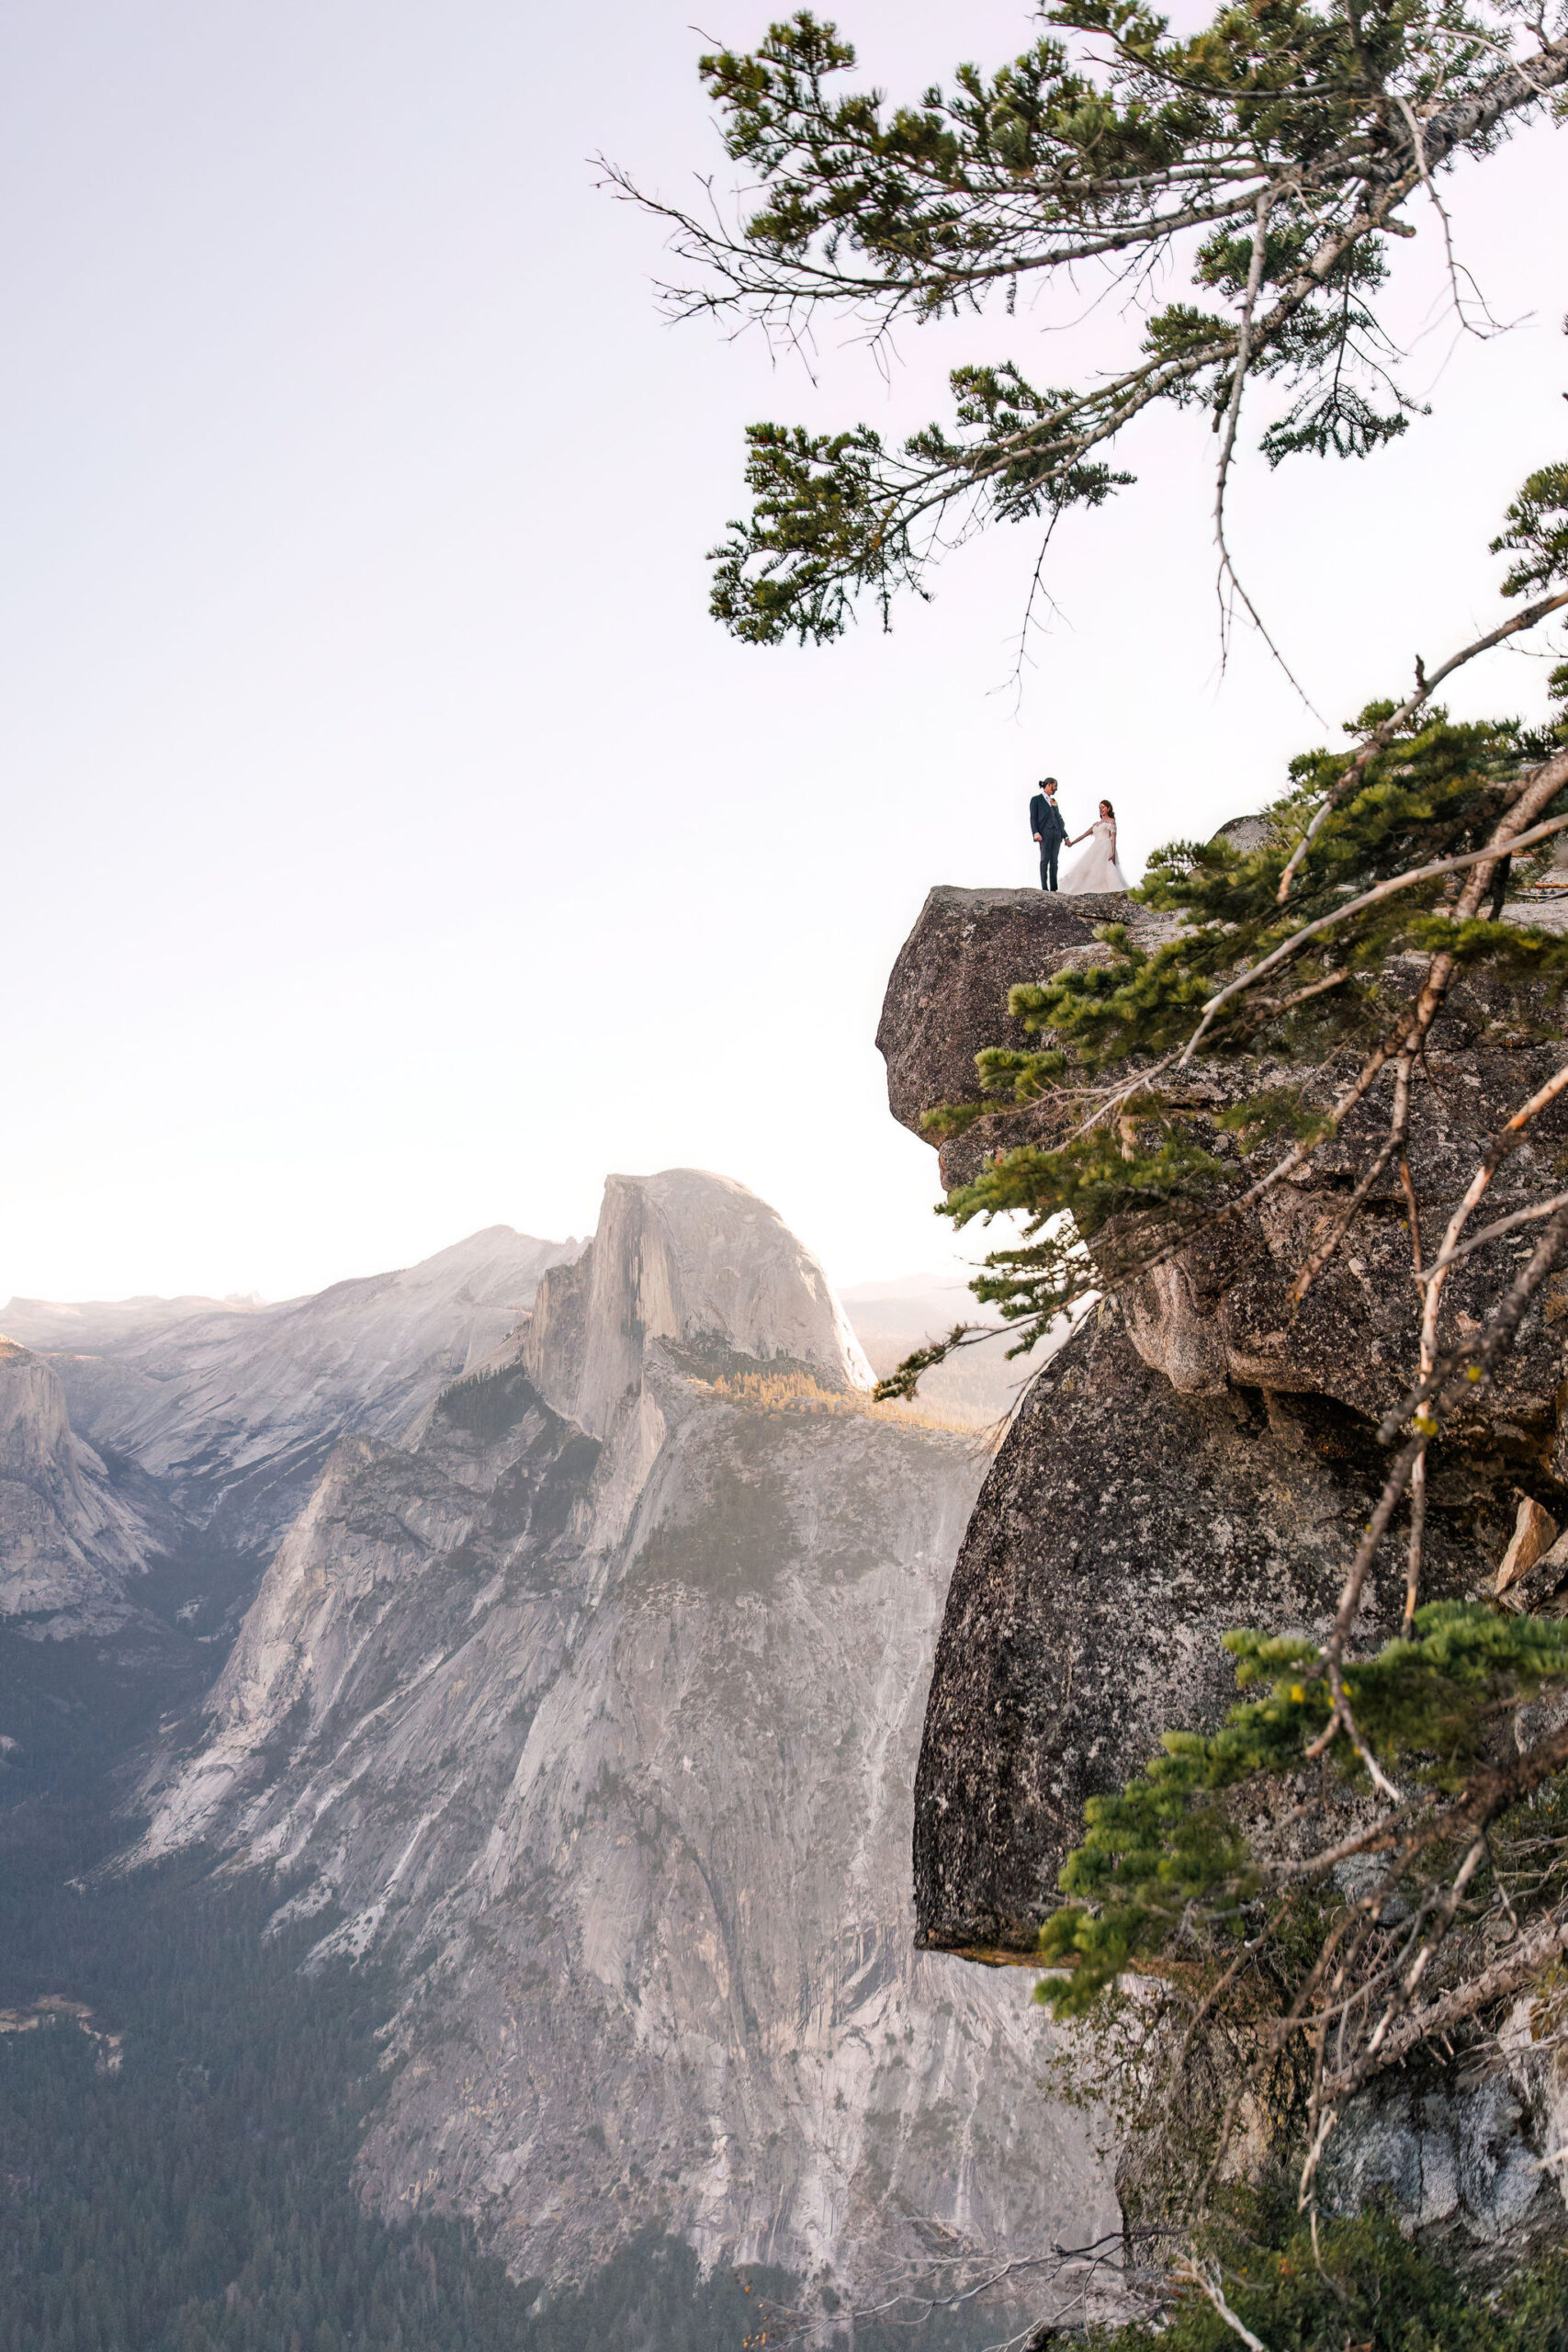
1097,869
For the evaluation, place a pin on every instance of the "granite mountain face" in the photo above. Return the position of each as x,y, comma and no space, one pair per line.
595,1706
70,1542
1202,1454
231,1408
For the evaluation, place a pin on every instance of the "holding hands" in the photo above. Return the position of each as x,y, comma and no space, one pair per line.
1106,817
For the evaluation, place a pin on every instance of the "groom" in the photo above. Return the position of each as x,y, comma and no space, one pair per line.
1049,828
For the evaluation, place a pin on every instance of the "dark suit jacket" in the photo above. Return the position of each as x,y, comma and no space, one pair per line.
1046,819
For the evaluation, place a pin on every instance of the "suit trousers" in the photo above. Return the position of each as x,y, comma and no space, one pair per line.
1049,854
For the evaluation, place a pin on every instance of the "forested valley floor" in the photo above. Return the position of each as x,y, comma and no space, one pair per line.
176,2168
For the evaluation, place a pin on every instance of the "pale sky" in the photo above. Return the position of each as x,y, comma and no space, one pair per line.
394,844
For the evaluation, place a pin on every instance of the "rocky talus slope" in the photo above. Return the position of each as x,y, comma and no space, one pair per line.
1197,1456
596,1707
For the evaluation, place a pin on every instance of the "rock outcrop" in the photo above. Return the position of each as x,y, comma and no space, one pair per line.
1200,1453
233,1409
595,1707
1124,1529
947,996
69,1543
694,1260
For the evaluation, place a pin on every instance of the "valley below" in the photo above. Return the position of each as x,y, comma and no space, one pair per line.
519,1662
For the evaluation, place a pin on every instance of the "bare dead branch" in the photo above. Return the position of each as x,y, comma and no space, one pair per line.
1483,1353
1494,1232
1506,1976
1504,1143
1207,2277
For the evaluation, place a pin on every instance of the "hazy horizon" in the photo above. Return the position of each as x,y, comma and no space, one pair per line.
399,845
891,1287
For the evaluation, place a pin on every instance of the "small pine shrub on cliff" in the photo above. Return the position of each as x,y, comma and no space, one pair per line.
1168,1870
1300,1933
1362,2288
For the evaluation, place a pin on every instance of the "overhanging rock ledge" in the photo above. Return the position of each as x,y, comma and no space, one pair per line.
1195,1457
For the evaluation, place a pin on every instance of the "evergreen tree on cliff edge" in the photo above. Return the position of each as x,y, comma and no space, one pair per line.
1273,157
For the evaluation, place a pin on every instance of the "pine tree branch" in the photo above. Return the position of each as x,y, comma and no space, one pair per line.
1502,844
1385,733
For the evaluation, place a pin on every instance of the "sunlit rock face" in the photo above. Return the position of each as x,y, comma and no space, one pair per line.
69,1544
602,1722
694,1260
232,1408
947,995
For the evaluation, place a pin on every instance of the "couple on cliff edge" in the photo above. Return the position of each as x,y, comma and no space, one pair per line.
1097,869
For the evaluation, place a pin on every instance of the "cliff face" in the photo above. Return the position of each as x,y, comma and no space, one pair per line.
68,1544
233,1409
947,996
1199,1454
596,1706
1122,1530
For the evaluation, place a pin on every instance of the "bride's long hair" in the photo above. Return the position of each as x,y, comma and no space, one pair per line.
1108,811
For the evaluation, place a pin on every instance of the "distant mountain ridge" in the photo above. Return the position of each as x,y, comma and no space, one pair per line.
217,1415
231,1408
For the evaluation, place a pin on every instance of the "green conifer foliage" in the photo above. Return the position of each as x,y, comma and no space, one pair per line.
1358,2284
1291,960
1167,1867
1371,1853
1269,157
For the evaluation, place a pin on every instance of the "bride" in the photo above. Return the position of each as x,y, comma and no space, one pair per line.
1097,869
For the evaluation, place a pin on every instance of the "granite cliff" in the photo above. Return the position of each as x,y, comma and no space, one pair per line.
1198,1456
69,1542
594,1706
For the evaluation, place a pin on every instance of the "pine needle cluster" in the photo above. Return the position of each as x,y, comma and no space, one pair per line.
1271,159
1168,1870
